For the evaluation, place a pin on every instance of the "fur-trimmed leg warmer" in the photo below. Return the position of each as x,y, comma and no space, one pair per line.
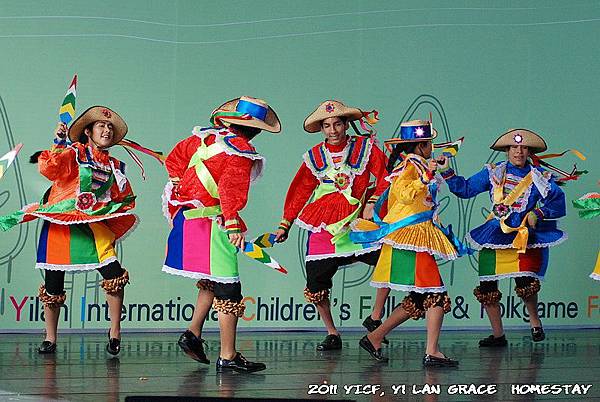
115,285
317,297
226,306
409,305
529,290
487,298
437,300
51,301
205,284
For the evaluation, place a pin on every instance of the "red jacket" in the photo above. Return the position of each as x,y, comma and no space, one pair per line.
360,152
233,169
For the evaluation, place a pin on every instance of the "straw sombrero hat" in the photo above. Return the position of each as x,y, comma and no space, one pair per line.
520,136
249,112
94,114
327,109
414,131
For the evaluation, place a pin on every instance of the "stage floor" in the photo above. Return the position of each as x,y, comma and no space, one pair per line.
152,364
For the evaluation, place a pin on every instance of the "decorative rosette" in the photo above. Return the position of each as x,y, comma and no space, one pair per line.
85,201
341,181
500,210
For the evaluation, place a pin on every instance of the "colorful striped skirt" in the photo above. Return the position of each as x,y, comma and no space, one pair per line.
198,248
77,247
507,263
596,274
407,270
319,246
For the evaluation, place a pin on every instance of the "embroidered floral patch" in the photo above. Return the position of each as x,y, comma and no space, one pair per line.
341,181
106,113
501,210
85,200
329,108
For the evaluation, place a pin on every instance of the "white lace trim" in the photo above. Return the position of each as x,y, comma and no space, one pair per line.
397,172
33,204
204,132
344,166
310,228
478,246
407,288
74,267
365,160
541,181
316,257
592,194
120,177
487,278
199,275
419,249
595,276
495,171
166,200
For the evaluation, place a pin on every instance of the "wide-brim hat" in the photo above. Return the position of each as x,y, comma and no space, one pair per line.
520,136
98,113
327,109
414,131
248,112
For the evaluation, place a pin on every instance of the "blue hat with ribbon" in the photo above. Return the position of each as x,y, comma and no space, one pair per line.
247,111
414,131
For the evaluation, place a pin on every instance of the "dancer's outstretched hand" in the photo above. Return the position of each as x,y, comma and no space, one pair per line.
368,211
442,162
281,235
237,239
61,131
532,219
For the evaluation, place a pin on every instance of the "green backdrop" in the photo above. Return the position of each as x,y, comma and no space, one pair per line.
479,66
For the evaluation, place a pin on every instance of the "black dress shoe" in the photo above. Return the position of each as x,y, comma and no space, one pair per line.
331,342
493,342
434,361
113,346
239,364
366,344
537,334
47,348
193,346
371,325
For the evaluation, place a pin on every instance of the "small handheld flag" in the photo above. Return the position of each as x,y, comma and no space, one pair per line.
265,240
449,149
66,112
256,252
8,159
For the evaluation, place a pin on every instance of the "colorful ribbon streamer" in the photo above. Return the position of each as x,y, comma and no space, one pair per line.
158,155
538,160
128,145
